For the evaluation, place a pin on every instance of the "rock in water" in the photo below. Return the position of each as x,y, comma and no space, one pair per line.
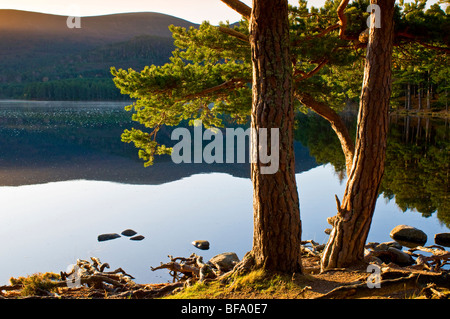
408,236
128,232
442,239
104,237
138,237
201,244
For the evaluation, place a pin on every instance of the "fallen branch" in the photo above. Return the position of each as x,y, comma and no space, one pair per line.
179,267
431,292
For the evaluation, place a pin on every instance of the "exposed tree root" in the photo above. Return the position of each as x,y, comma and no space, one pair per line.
392,281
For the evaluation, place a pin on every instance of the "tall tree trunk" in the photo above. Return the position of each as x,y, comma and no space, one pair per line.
408,97
276,212
352,223
407,128
428,91
420,96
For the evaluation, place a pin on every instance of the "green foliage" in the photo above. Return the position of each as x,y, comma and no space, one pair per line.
209,74
417,63
78,89
81,75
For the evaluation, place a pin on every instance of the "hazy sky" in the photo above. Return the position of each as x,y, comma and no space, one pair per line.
192,10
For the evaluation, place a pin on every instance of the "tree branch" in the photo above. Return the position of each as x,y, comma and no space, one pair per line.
419,40
314,71
336,122
342,19
433,47
319,35
239,7
234,33
234,83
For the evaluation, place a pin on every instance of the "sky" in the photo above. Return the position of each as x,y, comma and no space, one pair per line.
195,11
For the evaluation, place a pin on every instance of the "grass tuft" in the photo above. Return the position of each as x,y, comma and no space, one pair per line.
34,284
255,284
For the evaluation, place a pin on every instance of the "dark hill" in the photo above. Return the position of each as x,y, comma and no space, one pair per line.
106,29
41,58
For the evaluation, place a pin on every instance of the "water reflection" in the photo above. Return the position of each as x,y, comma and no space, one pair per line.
45,142
418,166
417,171
66,178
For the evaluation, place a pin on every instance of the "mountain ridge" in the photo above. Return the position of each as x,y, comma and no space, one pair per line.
42,58
115,26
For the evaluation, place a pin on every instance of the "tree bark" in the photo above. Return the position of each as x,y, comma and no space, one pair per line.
352,223
276,212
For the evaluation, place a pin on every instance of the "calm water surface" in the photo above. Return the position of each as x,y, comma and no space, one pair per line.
66,178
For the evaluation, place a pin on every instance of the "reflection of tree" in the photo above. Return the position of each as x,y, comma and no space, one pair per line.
315,133
417,172
417,167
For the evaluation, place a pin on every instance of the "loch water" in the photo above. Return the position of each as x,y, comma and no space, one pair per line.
66,177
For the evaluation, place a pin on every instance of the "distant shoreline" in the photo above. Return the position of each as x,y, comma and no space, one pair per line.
20,100
422,113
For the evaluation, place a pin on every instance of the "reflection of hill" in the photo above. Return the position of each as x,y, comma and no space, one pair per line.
49,144
108,167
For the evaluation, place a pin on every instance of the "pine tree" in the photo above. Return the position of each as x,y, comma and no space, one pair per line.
221,70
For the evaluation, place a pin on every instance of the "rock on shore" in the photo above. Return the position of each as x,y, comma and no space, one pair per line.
408,236
442,239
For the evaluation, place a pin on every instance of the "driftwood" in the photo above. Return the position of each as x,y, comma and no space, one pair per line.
96,267
89,279
440,257
90,274
192,267
314,251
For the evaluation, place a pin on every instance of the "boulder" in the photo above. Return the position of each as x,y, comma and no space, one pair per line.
104,237
386,245
225,261
390,255
442,239
408,236
128,232
400,257
201,244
